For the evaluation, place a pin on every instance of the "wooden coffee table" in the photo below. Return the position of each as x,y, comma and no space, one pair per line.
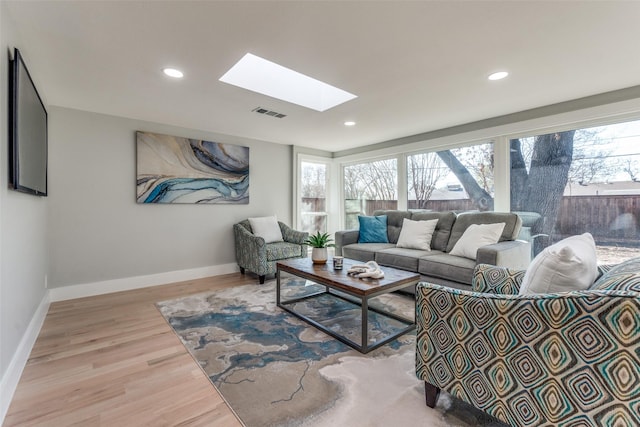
339,284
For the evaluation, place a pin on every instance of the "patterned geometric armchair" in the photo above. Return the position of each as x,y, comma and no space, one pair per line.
563,359
253,254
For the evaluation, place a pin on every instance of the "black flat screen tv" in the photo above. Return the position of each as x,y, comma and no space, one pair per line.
27,131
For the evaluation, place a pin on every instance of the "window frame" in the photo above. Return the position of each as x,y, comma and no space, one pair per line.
460,136
330,190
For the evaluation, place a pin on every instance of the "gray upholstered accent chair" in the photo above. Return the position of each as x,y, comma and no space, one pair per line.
253,254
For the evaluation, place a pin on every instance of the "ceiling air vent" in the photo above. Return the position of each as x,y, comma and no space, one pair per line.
264,111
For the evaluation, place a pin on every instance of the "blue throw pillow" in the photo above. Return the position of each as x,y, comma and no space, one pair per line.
373,229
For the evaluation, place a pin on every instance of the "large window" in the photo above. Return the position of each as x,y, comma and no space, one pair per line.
459,179
560,183
313,193
369,187
577,181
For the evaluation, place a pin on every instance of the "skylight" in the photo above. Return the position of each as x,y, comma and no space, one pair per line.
172,72
268,78
498,75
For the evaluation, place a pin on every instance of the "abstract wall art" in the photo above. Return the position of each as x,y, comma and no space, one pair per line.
172,169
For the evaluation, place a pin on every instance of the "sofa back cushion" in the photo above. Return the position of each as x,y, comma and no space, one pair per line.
623,277
512,226
443,227
394,222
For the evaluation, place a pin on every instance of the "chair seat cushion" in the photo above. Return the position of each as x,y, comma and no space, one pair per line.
282,250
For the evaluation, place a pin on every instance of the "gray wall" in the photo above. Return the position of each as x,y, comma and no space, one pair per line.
98,232
90,228
23,229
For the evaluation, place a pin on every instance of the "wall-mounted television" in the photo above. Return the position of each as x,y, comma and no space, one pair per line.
27,131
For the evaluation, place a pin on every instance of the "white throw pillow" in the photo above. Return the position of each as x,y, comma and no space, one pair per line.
266,227
416,234
569,265
476,236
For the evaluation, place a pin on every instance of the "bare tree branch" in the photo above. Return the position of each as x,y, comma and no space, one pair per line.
424,171
480,197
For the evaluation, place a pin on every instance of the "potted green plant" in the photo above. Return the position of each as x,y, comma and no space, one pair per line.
319,242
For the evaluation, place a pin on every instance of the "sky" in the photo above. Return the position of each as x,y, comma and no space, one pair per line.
624,143
621,141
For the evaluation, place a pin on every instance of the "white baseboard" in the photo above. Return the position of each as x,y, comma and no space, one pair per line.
13,373
137,282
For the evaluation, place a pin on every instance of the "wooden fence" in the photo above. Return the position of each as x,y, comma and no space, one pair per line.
608,218
613,218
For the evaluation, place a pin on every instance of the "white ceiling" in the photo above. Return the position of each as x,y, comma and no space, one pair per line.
415,66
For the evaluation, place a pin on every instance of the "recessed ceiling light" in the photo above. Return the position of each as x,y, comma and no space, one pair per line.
498,76
349,123
268,78
172,72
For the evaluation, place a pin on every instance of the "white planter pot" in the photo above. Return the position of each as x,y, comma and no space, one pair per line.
319,255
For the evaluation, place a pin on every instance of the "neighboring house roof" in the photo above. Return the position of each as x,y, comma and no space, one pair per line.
450,192
618,188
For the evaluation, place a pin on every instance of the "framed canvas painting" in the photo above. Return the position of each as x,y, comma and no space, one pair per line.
172,169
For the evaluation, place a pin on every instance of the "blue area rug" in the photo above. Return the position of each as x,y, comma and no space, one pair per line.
276,370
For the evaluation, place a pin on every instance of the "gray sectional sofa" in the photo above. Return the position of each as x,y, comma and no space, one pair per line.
437,265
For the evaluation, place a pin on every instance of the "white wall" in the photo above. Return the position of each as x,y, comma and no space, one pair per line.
23,237
90,229
97,230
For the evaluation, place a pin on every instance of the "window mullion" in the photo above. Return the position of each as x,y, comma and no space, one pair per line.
403,186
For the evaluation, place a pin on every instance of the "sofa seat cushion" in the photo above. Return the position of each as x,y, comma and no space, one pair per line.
448,267
364,251
282,250
622,277
402,258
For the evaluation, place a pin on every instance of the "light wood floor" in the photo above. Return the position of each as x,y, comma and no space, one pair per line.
112,360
